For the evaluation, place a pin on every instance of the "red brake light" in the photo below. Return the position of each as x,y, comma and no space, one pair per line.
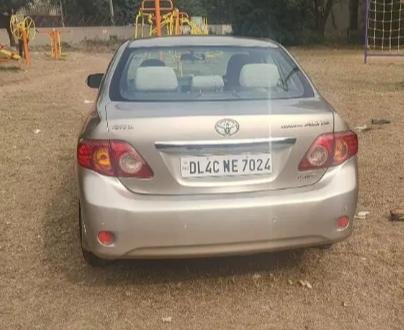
330,150
112,158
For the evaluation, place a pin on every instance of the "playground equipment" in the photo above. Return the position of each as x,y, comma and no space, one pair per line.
6,55
55,36
23,29
161,17
196,28
56,46
19,24
384,28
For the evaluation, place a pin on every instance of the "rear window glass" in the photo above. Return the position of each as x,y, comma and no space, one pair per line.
207,74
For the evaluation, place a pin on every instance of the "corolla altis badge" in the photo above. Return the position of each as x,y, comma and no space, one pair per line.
227,127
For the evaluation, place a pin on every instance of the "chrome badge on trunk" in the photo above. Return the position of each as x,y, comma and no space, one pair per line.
227,127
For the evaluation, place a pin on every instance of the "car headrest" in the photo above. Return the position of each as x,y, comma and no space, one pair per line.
156,79
207,83
152,62
259,75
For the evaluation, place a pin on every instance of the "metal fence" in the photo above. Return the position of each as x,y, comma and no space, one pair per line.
49,13
44,14
64,13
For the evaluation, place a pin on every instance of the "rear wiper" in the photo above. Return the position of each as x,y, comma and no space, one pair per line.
291,73
285,80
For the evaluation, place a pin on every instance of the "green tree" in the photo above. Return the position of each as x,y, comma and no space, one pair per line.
193,7
353,31
7,8
219,11
282,20
7,5
287,21
322,10
96,12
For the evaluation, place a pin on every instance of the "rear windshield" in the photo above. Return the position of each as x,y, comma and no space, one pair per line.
207,74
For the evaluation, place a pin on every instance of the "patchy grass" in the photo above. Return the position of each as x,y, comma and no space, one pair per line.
44,282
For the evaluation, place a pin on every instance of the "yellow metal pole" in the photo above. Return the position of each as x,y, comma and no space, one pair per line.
58,45
136,25
142,26
177,22
53,46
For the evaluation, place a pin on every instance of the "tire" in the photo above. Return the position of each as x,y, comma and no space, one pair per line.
90,258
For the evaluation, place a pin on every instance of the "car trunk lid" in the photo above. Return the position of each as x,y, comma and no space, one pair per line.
173,136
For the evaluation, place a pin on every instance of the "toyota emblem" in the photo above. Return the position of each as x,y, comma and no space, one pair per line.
227,127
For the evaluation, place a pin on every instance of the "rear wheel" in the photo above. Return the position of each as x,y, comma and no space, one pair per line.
90,258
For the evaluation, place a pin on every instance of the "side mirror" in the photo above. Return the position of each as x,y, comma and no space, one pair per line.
94,80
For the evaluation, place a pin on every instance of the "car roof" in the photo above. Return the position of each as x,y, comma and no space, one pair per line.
178,41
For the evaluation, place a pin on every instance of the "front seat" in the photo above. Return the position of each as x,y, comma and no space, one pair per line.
232,77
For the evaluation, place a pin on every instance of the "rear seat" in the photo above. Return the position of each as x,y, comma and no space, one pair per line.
207,83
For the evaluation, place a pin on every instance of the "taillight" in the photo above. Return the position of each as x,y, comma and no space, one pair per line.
95,155
330,150
112,158
128,162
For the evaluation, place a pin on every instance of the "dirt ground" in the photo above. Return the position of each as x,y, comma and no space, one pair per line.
44,282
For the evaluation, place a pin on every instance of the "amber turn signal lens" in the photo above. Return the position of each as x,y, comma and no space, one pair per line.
341,151
101,159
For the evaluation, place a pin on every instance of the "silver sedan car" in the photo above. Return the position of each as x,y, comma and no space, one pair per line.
205,146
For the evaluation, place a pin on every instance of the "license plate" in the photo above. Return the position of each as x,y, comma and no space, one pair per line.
226,165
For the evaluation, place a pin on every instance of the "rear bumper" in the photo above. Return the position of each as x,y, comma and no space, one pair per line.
191,226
